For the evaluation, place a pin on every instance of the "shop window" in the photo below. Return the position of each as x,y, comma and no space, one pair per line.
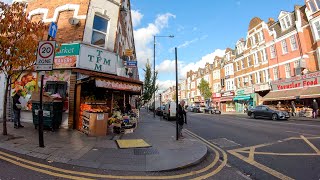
242,63
99,31
316,27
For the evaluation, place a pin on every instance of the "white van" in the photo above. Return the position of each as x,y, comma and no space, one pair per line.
170,111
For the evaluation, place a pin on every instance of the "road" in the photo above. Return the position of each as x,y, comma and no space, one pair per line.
263,149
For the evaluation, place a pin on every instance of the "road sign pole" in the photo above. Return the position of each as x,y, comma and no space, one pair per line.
40,114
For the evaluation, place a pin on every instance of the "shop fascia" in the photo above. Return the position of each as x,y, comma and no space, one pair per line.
306,80
87,57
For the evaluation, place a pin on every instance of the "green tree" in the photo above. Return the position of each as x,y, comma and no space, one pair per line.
149,85
204,89
19,38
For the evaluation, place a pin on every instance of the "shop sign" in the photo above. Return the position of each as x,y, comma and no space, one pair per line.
65,62
128,52
96,59
132,64
69,50
229,93
262,87
244,91
296,84
216,95
117,85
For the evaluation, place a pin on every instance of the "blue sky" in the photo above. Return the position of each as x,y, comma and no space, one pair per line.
202,29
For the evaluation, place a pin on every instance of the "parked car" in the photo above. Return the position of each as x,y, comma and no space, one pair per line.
270,112
199,108
190,109
159,110
170,111
212,110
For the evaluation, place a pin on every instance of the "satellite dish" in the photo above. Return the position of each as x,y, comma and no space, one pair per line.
74,21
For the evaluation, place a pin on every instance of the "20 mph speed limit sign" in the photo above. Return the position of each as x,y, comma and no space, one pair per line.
45,55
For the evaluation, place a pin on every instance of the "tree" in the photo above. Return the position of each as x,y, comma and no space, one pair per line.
149,85
204,89
19,39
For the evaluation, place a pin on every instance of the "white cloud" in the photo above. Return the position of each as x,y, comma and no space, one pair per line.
194,29
163,85
144,36
168,66
201,63
238,3
136,17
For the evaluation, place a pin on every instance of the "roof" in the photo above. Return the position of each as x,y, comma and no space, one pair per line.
277,27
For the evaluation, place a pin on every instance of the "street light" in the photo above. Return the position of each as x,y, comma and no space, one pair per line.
154,68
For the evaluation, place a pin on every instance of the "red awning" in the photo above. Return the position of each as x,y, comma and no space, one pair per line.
225,99
310,92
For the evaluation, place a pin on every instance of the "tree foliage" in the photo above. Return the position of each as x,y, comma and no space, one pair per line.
149,85
204,89
19,38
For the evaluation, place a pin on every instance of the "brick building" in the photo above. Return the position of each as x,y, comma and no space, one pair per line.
96,43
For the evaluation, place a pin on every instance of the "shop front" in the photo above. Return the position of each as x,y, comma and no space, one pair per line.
103,95
295,93
261,90
227,103
244,99
215,99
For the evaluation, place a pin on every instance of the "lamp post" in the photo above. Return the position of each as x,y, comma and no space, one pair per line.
154,68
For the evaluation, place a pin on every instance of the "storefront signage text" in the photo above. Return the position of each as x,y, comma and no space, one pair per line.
118,85
261,87
244,91
297,84
97,59
65,62
68,50
225,94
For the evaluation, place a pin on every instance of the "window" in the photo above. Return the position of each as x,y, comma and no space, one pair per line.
238,83
317,29
238,66
288,70
265,75
275,73
258,80
249,61
253,41
99,31
314,5
284,47
255,57
250,79
242,63
260,36
193,85
272,51
264,55
297,64
286,22
293,43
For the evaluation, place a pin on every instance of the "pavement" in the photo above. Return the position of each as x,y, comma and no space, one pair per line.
75,148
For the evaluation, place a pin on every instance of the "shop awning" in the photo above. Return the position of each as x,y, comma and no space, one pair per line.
117,85
282,95
310,92
242,98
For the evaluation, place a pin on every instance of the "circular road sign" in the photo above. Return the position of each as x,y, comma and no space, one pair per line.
46,50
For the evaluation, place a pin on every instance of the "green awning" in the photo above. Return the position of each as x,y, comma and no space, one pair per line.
242,98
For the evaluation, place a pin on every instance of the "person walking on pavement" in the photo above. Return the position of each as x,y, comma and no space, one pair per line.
293,108
16,110
315,108
181,115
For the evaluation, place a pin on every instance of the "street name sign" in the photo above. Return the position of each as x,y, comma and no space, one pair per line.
45,55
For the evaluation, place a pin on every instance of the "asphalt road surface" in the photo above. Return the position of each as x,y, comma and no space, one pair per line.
263,149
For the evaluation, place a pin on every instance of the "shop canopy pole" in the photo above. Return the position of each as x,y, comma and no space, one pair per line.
177,104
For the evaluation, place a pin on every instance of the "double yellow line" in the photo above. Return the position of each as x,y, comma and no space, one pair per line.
69,174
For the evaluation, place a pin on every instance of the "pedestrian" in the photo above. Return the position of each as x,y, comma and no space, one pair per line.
128,108
293,107
181,116
279,105
16,110
315,108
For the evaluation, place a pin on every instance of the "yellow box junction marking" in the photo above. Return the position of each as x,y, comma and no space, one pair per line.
252,150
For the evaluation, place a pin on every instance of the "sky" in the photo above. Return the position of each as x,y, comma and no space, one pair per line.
202,30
